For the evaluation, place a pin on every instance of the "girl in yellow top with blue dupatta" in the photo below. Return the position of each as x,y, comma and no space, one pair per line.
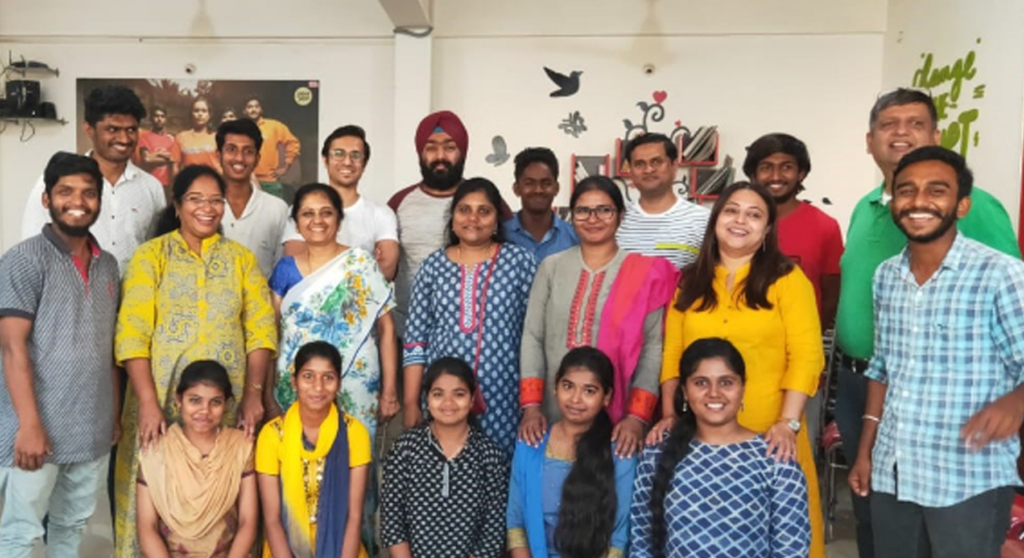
743,289
312,466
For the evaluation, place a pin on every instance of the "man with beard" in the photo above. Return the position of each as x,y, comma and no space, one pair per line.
536,227
366,224
58,395
158,152
276,138
945,397
660,223
253,218
900,121
423,209
780,163
134,198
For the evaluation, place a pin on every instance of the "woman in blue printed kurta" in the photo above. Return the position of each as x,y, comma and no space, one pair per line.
469,301
710,489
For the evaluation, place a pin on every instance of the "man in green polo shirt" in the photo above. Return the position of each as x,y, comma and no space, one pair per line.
901,121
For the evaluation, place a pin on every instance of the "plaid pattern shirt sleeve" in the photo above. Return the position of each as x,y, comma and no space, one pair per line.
945,349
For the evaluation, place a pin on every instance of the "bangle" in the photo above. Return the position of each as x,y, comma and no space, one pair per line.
871,418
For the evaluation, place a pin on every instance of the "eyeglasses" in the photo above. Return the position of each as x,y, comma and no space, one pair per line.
603,212
340,154
196,199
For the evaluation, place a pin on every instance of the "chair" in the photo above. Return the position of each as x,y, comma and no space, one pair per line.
830,443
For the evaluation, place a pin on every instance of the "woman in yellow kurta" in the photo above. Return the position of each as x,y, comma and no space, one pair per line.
312,466
187,295
743,289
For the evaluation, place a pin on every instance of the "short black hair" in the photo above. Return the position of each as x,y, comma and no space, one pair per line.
348,130
532,155
770,144
903,96
66,164
112,99
964,176
253,97
240,127
671,151
157,108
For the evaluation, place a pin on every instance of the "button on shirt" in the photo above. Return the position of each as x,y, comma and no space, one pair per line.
560,236
128,212
945,349
259,228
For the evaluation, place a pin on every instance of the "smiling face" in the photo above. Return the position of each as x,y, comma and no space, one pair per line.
781,175
238,158
449,401
537,188
474,219
898,130
318,219
743,224
316,384
200,210
603,220
714,393
441,162
202,408
345,161
924,203
580,396
651,169
114,138
74,204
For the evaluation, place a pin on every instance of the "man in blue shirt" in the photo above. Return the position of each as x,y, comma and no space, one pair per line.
939,444
536,227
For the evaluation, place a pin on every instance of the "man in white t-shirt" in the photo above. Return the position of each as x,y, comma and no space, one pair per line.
253,218
365,224
132,198
660,223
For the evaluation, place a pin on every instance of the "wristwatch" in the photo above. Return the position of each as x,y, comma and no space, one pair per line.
793,424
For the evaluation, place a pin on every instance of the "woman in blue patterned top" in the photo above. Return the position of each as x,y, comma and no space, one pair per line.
569,495
469,301
709,489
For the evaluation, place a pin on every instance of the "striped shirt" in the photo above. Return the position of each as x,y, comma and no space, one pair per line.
945,349
675,234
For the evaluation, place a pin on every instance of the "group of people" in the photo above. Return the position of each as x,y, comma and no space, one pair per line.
632,381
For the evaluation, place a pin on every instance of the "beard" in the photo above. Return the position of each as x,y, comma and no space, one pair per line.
77,232
947,222
442,175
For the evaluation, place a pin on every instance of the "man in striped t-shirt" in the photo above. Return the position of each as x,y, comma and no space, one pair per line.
660,223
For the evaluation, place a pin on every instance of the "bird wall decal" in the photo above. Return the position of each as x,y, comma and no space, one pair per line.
568,85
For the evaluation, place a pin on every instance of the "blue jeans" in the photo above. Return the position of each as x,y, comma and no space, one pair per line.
66,492
851,397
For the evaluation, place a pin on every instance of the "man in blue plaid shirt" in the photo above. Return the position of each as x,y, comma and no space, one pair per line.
945,402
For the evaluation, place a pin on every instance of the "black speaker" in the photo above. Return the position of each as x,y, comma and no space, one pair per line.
23,97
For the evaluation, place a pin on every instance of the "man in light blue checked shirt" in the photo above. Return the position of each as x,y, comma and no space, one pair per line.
945,402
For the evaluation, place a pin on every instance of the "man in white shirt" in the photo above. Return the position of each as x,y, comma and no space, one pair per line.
365,224
660,223
253,218
132,198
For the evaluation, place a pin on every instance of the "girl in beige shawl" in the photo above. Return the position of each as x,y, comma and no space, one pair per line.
196,490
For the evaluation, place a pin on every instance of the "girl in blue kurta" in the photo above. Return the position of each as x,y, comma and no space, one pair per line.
709,489
469,302
557,486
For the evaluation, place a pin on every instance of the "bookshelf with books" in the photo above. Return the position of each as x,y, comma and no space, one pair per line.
588,165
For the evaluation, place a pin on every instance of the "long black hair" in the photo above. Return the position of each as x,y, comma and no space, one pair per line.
586,516
677,445
168,220
489,190
766,267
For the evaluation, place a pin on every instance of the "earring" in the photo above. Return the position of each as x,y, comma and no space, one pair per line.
685,406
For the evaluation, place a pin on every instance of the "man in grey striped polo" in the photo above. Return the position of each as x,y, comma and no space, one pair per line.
58,396
660,223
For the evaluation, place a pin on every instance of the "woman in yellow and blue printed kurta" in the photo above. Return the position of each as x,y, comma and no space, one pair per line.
187,295
779,337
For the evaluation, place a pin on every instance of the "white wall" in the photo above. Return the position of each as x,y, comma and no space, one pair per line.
816,87
949,29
